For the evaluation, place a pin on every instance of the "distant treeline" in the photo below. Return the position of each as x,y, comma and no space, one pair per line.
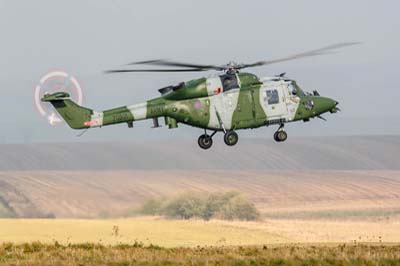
227,206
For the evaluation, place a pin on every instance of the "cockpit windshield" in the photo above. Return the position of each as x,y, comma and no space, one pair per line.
229,81
295,89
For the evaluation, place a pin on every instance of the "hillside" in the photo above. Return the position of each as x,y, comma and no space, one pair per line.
319,153
332,174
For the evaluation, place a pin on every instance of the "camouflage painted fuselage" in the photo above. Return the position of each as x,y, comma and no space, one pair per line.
229,101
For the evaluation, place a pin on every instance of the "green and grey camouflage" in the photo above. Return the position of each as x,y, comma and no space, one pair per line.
225,103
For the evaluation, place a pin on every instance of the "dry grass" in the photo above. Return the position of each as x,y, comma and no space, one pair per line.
166,233
183,233
89,254
156,241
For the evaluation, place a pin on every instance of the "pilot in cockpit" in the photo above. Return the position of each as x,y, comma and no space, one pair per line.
229,81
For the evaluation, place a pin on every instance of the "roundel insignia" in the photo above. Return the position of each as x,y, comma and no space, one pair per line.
197,105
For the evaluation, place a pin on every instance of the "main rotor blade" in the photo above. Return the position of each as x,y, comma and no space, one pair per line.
161,62
154,70
320,51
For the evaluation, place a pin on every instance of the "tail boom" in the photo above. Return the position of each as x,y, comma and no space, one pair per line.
78,117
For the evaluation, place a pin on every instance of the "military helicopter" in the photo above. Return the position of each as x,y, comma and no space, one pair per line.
225,103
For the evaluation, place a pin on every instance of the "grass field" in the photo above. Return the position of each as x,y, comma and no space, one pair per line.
192,233
148,230
124,255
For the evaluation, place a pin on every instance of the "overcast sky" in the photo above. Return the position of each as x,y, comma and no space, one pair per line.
85,37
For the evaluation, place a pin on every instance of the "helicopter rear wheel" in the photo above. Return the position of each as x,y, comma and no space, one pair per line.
231,138
205,141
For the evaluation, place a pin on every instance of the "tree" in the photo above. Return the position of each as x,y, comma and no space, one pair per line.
229,205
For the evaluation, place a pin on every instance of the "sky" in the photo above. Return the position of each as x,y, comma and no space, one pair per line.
86,37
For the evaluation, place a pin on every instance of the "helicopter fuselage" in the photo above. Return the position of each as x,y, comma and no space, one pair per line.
231,101
222,103
226,102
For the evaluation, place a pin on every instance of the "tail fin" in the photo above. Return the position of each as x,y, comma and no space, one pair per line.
76,116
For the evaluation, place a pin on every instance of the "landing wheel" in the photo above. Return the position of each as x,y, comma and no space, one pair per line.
280,136
231,138
275,137
205,141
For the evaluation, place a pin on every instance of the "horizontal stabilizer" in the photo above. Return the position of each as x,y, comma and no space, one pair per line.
75,115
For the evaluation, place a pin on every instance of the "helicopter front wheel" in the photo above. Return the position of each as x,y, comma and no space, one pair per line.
280,136
205,141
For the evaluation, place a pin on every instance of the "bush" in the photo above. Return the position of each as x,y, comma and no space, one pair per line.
152,207
185,206
229,206
240,208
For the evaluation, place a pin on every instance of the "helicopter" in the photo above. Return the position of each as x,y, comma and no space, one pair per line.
226,102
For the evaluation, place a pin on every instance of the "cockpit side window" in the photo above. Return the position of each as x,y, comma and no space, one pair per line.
298,90
292,89
229,82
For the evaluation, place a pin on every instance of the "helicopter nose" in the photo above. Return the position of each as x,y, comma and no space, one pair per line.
331,104
324,104
335,109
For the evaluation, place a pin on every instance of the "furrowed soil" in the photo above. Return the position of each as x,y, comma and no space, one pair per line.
354,177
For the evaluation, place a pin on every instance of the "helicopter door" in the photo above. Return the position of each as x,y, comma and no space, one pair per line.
274,102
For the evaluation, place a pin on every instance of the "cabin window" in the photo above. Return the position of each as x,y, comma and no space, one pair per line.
229,82
272,96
